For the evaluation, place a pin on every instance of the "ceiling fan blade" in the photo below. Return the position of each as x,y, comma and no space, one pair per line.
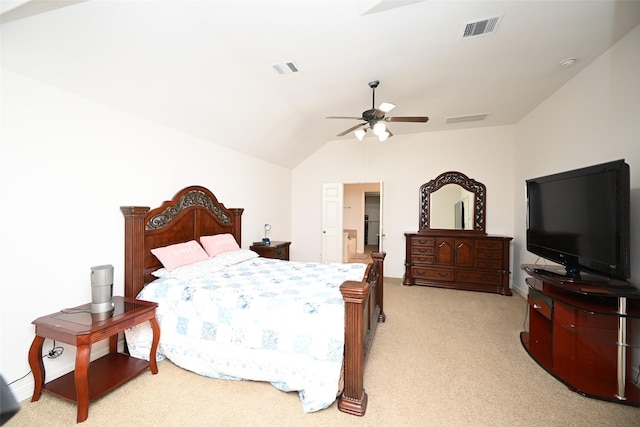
342,117
407,119
351,129
385,107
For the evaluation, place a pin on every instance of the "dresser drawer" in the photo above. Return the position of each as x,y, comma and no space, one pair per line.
483,277
422,241
489,255
422,250
420,259
489,244
442,274
489,264
281,253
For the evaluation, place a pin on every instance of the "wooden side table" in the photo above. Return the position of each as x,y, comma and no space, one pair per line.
275,250
81,328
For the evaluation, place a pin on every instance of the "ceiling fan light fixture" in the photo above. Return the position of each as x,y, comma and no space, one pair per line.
385,107
379,129
360,134
383,136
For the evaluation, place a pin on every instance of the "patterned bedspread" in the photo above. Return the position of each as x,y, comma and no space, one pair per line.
240,316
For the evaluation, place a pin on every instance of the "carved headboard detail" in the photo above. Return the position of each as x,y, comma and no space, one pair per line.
193,212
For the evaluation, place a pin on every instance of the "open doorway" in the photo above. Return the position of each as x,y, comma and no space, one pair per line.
362,221
371,221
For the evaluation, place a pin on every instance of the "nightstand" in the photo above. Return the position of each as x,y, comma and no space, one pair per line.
81,328
276,250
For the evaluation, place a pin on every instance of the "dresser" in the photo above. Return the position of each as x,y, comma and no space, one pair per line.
469,262
451,248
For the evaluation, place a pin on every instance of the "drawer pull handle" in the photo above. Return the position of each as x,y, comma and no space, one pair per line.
442,274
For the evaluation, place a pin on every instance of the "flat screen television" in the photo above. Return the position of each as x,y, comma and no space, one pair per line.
580,219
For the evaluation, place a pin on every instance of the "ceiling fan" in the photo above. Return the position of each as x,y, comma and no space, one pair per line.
375,118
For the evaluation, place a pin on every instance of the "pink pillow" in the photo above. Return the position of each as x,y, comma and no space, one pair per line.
219,243
174,256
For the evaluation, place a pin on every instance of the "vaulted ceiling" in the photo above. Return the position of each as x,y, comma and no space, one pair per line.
207,67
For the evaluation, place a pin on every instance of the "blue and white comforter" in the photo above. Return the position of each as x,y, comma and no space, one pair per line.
240,316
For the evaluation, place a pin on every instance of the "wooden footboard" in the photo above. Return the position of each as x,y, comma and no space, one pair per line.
363,311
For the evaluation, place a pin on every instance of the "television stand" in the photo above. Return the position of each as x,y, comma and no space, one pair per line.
580,332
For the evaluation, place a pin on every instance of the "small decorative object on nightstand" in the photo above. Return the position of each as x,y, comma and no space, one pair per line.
266,240
275,250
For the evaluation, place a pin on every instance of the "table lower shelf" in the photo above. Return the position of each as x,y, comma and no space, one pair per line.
105,374
581,381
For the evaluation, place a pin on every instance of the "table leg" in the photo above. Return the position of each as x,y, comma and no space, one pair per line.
37,366
153,364
83,355
113,343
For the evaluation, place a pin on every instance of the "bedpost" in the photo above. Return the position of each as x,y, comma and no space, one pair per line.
353,399
237,223
378,265
133,248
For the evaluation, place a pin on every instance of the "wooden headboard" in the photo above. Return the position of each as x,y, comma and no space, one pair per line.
193,212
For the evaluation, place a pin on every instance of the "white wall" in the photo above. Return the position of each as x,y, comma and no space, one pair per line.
404,163
594,118
66,166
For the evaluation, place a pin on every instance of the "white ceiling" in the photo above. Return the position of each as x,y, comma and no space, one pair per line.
206,67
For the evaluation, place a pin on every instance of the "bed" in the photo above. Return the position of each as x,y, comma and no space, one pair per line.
193,213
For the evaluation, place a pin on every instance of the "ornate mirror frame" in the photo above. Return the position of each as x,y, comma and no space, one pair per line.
479,209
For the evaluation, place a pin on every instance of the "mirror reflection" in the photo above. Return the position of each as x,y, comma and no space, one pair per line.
451,208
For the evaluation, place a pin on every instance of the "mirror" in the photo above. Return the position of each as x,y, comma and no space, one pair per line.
454,208
453,201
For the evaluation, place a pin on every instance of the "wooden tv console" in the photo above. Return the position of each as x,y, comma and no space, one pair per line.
580,332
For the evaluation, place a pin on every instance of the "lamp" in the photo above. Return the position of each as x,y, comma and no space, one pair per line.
379,128
266,240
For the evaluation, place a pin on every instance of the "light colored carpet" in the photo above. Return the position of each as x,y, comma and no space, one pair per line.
443,358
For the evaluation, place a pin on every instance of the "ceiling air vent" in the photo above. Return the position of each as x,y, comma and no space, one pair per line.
481,27
468,118
286,68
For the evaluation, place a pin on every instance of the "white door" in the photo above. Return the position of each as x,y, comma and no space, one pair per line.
332,233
